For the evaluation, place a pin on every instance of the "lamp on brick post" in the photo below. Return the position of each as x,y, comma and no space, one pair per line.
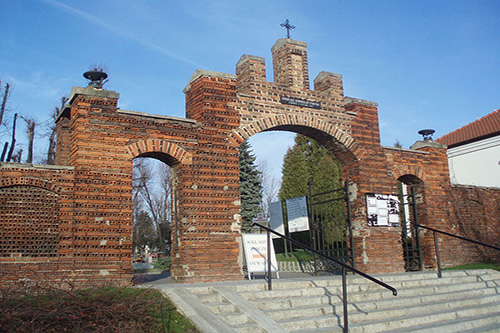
96,77
426,134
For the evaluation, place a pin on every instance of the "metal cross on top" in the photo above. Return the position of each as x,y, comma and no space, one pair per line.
288,27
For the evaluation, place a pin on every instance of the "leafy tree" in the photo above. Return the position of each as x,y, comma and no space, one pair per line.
145,233
295,174
307,161
250,187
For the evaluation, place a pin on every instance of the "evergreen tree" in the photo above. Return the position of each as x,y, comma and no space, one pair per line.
307,161
144,232
250,187
295,174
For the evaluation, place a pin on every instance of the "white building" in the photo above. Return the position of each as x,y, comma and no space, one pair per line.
474,152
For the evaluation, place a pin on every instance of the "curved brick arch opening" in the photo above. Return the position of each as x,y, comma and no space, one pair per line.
153,194
167,152
341,144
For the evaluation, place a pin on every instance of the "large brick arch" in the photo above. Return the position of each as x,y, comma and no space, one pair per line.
278,122
151,147
343,145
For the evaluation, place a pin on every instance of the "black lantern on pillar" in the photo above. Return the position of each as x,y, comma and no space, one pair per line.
426,133
96,78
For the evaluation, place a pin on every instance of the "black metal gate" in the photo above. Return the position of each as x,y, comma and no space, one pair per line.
330,227
410,237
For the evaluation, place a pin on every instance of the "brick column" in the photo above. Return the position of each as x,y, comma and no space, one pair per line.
290,63
209,226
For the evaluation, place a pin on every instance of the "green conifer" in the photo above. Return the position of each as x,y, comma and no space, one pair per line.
250,187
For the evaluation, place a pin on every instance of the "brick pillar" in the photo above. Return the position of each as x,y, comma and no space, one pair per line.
330,83
63,139
102,194
209,224
250,70
290,63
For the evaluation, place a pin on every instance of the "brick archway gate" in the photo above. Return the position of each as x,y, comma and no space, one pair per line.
235,107
98,142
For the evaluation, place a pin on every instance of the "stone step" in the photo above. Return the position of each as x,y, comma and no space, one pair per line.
314,296
236,318
361,288
482,323
407,322
460,301
370,310
249,328
222,307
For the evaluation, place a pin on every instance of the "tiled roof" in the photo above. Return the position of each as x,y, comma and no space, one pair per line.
484,127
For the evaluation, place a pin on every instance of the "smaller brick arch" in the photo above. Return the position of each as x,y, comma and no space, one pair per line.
151,147
29,181
412,170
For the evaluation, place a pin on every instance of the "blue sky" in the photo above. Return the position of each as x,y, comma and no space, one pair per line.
428,64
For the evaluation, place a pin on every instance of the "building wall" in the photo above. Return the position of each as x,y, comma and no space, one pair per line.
476,163
91,190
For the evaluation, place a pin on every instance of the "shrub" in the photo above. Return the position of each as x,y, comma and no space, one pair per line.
163,263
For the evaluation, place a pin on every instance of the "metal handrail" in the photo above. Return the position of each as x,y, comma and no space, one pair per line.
343,265
436,246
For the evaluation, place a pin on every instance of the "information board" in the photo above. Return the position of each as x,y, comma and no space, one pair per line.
255,247
382,210
296,211
276,218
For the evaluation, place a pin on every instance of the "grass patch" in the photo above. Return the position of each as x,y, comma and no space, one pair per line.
103,309
295,256
475,266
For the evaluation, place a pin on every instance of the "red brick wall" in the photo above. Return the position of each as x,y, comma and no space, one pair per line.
474,214
97,143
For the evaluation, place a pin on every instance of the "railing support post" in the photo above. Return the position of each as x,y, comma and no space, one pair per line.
438,258
269,274
344,300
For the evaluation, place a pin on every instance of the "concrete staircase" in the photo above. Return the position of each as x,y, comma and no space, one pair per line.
461,301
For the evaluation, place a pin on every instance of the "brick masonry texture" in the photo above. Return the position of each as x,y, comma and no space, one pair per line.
75,219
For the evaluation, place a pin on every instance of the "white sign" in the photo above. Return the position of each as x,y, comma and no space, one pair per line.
276,218
382,210
255,246
296,211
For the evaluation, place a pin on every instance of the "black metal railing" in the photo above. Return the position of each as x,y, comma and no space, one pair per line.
436,244
338,262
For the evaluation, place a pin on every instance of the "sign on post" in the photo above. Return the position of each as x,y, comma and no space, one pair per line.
296,211
276,218
255,247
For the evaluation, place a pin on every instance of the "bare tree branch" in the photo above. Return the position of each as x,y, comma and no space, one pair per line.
4,101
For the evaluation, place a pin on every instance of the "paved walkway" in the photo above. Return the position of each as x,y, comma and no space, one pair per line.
162,279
